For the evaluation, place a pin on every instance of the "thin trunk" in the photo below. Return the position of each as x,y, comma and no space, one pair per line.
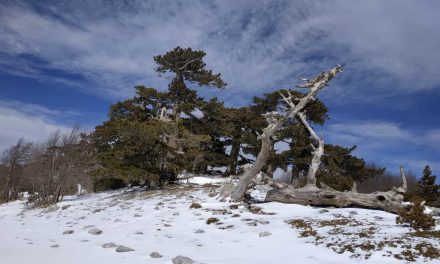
235,153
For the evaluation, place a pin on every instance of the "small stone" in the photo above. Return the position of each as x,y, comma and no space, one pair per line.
199,231
323,211
265,234
95,231
122,249
182,260
353,213
137,215
109,245
263,222
176,213
55,246
138,233
68,232
378,218
337,215
155,255
64,207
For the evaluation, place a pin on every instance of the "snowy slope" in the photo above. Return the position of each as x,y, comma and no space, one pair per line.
162,221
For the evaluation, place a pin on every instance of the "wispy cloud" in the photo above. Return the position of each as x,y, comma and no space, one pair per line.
256,45
33,122
388,143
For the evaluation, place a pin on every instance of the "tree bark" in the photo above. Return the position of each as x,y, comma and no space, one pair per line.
317,153
249,174
390,201
235,152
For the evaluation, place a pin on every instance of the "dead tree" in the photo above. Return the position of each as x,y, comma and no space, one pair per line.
390,201
276,121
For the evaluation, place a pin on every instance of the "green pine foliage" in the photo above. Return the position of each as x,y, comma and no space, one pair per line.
414,216
427,189
155,135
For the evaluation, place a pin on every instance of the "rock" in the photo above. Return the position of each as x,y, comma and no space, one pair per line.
97,210
182,260
265,234
95,231
55,246
155,255
64,207
353,213
137,215
337,215
122,249
68,232
378,218
263,222
323,211
199,231
138,233
109,245
176,213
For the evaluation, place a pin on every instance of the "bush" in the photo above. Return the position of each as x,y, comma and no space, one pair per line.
414,216
106,184
195,206
337,182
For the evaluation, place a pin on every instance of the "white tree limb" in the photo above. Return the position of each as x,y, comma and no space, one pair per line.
315,86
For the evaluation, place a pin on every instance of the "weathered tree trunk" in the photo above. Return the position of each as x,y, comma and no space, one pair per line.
317,153
249,174
390,201
275,122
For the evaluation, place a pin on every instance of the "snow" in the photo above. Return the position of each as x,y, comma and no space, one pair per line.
208,180
162,221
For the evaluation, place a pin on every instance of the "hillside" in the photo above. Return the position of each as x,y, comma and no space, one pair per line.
162,221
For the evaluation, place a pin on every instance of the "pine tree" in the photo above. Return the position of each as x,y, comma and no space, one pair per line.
145,137
187,65
426,187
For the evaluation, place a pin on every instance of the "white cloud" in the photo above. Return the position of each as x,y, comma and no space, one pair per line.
255,45
387,143
32,122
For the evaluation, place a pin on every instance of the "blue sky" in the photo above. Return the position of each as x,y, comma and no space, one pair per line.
64,62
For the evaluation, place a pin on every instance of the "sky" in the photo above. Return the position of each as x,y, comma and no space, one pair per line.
63,63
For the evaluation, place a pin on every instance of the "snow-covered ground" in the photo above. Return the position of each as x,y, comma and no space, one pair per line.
163,222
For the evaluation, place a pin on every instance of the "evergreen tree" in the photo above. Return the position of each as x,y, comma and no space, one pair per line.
187,65
145,137
339,168
426,187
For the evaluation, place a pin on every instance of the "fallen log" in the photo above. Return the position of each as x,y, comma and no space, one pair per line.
390,201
